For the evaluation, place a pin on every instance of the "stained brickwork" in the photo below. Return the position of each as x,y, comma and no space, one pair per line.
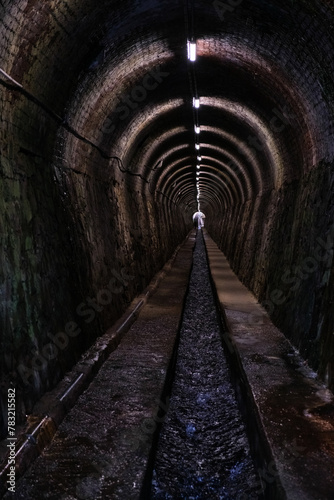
98,165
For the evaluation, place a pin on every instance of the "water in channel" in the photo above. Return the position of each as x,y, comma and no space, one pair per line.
203,451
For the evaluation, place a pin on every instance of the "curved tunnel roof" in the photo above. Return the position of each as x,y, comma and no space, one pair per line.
129,88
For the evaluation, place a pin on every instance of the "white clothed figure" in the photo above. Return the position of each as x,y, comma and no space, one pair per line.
198,219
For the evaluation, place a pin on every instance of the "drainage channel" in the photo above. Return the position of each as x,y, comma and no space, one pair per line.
203,450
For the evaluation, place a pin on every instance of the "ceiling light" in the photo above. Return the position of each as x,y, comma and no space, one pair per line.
195,103
197,129
191,51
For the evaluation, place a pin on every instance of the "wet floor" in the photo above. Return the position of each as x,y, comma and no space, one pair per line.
203,451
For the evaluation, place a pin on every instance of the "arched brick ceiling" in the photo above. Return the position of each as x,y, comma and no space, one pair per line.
118,74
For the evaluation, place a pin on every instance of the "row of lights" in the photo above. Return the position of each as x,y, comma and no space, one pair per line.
192,57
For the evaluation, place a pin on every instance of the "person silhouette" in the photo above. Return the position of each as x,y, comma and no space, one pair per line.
198,220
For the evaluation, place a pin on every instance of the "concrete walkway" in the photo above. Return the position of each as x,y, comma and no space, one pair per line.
294,410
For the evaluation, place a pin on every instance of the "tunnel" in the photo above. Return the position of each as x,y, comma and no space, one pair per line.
120,120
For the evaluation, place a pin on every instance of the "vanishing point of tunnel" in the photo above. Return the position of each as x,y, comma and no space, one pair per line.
119,121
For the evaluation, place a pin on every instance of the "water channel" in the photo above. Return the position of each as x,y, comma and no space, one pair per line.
203,450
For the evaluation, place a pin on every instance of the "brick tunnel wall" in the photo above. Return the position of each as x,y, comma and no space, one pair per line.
281,247
76,248
280,242
80,237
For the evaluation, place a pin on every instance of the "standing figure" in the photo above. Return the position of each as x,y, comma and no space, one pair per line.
198,220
